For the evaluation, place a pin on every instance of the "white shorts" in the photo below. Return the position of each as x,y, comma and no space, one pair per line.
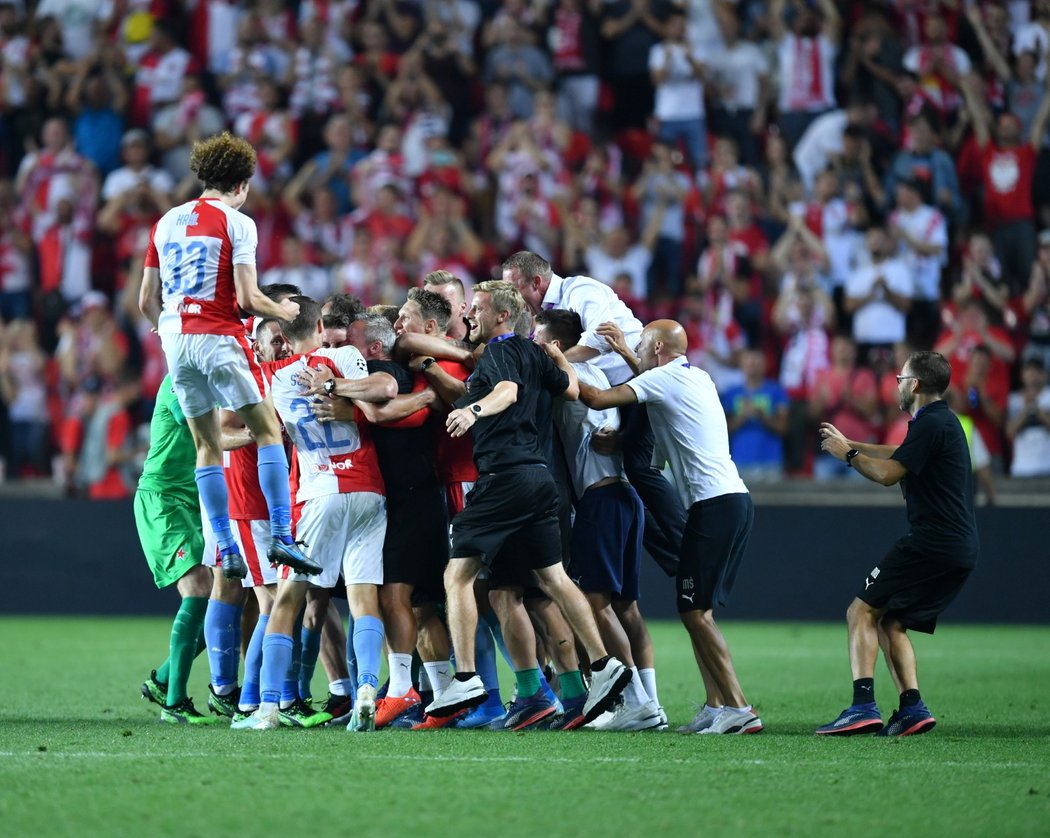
209,370
343,532
253,537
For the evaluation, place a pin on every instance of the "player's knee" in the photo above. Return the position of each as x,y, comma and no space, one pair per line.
858,611
197,582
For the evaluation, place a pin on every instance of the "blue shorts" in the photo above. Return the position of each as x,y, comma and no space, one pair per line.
607,541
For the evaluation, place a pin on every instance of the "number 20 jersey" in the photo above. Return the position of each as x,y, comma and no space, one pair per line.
334,457
195,246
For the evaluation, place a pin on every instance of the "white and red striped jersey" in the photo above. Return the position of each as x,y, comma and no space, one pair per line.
333,457
807,74
195,246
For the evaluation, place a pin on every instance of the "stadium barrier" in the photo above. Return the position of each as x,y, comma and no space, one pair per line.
803,563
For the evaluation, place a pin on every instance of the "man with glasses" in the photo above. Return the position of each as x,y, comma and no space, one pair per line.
925,570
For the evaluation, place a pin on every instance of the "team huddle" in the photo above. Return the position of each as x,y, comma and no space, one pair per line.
476,481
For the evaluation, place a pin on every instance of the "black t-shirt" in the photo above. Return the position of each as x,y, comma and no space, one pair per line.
406,457
938,487
513,437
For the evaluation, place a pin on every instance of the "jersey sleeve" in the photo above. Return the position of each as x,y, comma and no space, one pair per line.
915,451
152,258
350,362
244,239
649,386
554,379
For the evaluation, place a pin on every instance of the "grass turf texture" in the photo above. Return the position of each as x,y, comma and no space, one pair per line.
81,753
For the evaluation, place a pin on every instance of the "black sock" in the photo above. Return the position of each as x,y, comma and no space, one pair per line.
864,691
599,665
464,676
909,698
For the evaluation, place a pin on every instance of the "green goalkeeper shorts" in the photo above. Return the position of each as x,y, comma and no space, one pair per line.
171,535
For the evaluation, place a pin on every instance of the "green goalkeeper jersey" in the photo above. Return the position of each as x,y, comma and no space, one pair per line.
172,459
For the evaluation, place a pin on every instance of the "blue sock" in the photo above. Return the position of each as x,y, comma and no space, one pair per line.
253,664
311,642
351,658
277,660
273,480
368,649
212,487
222,633
485,660
290,689
492,621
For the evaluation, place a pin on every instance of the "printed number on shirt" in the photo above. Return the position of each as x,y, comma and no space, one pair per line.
316,435
190,268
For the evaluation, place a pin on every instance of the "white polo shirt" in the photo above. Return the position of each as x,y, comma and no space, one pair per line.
577,423
689,425
596,303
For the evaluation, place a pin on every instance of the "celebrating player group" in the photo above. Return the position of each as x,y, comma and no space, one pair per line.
476,480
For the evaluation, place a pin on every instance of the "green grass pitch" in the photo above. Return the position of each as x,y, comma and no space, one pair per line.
82,754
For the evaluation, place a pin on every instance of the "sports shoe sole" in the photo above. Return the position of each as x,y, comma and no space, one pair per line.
855,729
923,726
277,556
468,703
536,717
607,701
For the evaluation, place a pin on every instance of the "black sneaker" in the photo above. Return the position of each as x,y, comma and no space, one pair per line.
223,705
154,690
300,714
336,705
232,563
291,554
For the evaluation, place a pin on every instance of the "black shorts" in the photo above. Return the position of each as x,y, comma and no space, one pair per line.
912,587
415,550
607,541
716,534
518,505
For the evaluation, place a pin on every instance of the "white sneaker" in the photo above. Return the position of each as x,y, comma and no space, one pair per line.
623,718
663,718
731,720
606,687
363,719
701,721
258,721
460,695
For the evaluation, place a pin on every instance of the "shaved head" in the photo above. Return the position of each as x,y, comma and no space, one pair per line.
662,341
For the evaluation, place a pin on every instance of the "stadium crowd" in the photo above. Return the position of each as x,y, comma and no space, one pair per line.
812,189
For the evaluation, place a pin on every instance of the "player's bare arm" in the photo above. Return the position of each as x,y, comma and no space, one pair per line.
503,395
412,343
602,399
376,387
868,448
448,387
398,408
149,295
884,471
254,301
235,433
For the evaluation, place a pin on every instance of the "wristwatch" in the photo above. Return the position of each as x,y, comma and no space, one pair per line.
427,364
476,409
329,387
853,452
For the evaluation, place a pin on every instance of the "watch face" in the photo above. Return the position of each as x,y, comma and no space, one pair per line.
476,408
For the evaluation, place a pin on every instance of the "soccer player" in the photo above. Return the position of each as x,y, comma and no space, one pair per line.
923,571
199,272
606,546
514,498
167,517
343,517
690,430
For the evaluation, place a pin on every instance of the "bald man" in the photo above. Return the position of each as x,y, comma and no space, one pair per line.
690,429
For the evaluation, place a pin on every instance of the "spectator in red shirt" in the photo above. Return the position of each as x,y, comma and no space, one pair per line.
1007,172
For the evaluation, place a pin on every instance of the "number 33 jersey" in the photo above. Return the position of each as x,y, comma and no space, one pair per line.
333,457
195,246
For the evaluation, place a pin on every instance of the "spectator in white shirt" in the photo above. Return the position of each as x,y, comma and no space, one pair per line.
1028,422
922,239
677,75
136,171
314,281
878,295
740,77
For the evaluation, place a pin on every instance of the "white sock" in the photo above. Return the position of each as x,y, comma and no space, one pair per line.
400,674
341,687
266,708
440,674
424,680
739,709
648,677
225,689
635,694
712,707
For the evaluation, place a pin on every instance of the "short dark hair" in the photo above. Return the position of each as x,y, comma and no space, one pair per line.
391,313
303,325
277,291
435,279
432,306
566,327
345,307
223,162
932,370
331,321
